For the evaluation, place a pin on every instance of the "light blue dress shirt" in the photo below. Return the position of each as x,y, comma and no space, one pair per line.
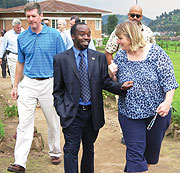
65,38
78,58
9,42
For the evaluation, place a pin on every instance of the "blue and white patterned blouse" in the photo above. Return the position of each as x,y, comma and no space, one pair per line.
152,77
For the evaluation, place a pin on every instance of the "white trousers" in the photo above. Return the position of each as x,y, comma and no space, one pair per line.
12,60
31,90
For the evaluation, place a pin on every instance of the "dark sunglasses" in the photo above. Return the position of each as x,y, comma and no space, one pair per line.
137,15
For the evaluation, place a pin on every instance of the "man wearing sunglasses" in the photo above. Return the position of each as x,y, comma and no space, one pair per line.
112,46
135,14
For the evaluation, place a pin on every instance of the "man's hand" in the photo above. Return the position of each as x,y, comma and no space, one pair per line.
0,61
127,85
14,93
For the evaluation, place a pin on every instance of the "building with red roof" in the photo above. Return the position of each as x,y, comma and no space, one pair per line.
54,10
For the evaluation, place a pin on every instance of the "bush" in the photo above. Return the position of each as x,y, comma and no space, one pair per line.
94,41
104,41
107,94
176,119
11,111
2,133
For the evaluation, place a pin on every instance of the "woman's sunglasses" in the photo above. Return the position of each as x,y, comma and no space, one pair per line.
137,15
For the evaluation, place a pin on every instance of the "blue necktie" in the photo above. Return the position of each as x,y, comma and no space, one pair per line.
84,81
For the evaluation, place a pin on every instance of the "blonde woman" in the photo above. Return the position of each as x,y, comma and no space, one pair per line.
145,112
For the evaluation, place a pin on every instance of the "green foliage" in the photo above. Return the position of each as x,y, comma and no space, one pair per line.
94,41
178,33
104,28
176,118
173,46
167,22
12,3
11,111
107,94
2,133
105,40
175,58
112,22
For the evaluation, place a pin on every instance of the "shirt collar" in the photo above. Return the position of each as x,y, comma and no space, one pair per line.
76,52
44,29
15,32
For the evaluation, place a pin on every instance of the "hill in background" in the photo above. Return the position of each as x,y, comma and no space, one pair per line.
167,22
123,18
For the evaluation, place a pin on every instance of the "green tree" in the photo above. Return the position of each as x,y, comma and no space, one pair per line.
104,29
178,33
111,23
12,3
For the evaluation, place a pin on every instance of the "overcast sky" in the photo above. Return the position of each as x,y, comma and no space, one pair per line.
151,8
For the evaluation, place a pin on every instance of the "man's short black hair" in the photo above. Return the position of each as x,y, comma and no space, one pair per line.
45,19
73,28
77,19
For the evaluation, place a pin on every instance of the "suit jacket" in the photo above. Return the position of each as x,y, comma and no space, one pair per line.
67,86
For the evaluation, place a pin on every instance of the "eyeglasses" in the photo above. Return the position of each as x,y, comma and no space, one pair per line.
137,15
152,122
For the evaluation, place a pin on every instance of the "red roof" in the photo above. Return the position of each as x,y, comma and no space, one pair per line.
59,6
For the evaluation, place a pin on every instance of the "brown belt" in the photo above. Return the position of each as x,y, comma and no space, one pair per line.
85,107
41,78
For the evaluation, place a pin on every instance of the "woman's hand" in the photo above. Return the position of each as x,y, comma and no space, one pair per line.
112,69
163,109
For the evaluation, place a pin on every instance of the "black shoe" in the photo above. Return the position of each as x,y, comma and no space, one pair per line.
123,141
55,160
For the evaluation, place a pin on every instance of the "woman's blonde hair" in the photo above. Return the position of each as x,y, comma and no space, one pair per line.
132,31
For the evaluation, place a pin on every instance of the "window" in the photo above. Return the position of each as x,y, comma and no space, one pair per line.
98,25
54,24
84,21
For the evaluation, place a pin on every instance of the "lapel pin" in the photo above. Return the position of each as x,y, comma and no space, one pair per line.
93,58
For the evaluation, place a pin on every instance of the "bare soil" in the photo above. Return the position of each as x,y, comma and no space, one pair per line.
109,152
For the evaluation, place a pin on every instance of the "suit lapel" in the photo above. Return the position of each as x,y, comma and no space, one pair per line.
72,61
91,61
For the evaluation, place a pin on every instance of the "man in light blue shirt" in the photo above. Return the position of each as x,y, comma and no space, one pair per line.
36,48
9,45
62,30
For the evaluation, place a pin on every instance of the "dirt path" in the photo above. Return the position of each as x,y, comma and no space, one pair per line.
109,152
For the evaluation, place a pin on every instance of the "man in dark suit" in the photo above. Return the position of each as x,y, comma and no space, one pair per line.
80,74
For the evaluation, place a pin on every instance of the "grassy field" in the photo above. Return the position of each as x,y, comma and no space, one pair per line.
175,58
173,46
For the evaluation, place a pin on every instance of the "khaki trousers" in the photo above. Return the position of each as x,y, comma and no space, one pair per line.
31,90
12,60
